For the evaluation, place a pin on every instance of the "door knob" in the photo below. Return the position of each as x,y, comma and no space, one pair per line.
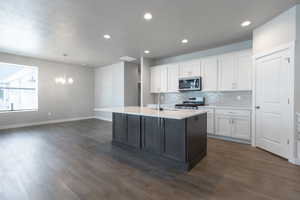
257,107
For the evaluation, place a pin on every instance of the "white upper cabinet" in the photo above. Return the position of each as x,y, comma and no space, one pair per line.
163,78
190,68
227,72
155,78
244,70
173,75
235,71
209,74
233,123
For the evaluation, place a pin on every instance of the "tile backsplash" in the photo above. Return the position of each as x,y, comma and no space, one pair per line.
236,98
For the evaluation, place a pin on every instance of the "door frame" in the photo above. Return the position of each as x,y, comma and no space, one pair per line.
291,131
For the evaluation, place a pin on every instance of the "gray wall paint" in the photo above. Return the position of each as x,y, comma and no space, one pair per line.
131,84
63,101
146,96
205,53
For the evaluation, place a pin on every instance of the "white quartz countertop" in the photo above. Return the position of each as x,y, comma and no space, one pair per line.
150,112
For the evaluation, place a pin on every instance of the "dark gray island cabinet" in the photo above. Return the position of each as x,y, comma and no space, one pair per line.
181,142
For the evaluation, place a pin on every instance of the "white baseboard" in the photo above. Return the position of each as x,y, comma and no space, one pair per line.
104,118
45,122
228,139
297,162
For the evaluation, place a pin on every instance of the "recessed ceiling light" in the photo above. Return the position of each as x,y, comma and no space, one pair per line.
246,23
148,16
127,58
106,36
146,51
184,41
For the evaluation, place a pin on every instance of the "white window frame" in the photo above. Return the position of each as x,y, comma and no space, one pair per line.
36,88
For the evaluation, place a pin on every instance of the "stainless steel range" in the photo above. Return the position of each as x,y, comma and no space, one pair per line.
191,103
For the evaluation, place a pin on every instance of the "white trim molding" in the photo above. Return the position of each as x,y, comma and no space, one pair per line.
45,122
290,45
103,118
291,132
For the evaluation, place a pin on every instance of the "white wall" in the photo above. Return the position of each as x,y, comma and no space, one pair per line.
146,96
109,88
63,101
115,85
282,30
297,75
279,31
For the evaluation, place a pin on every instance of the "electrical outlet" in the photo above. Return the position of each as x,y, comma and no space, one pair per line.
239,98
49,114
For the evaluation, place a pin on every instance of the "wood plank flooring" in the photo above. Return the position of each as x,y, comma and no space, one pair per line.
75,160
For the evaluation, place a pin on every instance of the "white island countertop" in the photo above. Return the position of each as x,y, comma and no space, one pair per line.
150,112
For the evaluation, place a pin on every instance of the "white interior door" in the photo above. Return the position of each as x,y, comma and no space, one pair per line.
272,106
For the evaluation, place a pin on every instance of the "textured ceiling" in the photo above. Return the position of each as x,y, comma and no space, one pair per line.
49,28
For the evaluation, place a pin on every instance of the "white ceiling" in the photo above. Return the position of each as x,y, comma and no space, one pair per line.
49,28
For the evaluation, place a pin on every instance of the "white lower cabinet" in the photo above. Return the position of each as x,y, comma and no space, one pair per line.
223,125
233,123
210,119
210,123
241,128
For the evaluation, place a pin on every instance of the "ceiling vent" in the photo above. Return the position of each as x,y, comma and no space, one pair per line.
127,58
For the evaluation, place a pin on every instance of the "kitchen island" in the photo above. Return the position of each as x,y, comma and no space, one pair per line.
176,137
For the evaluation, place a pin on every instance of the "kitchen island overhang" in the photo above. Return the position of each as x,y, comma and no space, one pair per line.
175,137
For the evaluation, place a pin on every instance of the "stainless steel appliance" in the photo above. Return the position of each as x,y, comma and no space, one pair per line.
191,103
190,83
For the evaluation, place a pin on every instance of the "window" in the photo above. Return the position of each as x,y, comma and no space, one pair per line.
18,87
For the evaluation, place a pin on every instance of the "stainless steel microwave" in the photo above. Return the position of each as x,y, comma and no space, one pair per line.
190,83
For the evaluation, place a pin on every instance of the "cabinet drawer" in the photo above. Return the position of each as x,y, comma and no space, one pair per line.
233,112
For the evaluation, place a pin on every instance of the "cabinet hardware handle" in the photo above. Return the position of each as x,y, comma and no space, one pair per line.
257,107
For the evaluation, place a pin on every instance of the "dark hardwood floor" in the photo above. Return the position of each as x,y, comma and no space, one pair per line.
72,161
